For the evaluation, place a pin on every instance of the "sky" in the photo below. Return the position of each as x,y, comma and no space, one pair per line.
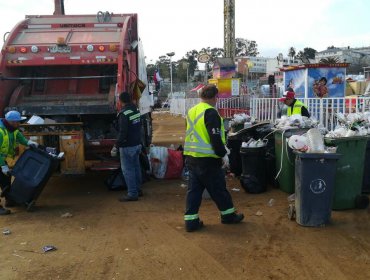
179,26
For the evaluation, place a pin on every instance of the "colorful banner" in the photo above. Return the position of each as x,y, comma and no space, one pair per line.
296,80
326,82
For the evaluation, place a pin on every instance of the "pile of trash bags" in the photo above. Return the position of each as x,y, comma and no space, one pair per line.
310,142
243,120
295,121
352,124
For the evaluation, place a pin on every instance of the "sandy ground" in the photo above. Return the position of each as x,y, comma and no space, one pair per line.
106,239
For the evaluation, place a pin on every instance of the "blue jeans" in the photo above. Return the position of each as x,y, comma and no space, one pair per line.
131,169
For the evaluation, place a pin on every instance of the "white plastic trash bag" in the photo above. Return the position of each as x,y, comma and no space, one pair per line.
158,160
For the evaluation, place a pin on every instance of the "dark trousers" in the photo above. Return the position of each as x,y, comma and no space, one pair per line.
4,180
211,178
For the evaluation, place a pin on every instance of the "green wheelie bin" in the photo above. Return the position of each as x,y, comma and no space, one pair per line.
349,176
285,158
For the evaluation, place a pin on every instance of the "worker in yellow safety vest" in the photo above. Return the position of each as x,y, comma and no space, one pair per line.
295,107
205,153
10,137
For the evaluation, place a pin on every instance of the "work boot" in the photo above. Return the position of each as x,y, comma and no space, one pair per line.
193,225
127,198
233,218
4,211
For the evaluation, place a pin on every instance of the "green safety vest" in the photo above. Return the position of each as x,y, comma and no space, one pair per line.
296,109
7,148
197,140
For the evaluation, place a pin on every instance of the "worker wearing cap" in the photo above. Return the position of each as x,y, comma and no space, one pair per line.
295,107
204,150
10,137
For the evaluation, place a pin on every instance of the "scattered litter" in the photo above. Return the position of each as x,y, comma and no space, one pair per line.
271,202
82,228
259,213
7,231
291,198
177,195
66,215
23,243
180,138
183,185
48,248
16,255
178,227
127,249
174,135
180,268
235,189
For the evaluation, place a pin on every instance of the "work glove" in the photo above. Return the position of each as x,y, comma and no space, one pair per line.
225,162
114,152
5,169
33,144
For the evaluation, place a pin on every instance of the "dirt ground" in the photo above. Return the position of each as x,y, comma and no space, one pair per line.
106,239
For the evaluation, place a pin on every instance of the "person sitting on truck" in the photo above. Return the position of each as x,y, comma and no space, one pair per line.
295,107
10,137
129,144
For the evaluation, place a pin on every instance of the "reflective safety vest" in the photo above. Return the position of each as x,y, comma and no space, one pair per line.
197,140
7,148
296,109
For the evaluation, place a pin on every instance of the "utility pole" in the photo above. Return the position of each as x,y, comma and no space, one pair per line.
229,28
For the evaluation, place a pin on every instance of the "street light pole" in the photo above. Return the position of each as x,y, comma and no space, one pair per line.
171,54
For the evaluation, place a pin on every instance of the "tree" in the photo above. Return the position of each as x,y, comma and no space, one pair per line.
309,53
163,65
150,68
330,60
245,47
182,70
291,53
191,57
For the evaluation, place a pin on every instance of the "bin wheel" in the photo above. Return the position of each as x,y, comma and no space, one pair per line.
362,201
291,212
30,206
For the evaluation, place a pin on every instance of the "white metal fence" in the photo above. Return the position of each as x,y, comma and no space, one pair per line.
269,109
324,110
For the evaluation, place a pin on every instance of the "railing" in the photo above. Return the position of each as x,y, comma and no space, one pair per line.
269,109
324,110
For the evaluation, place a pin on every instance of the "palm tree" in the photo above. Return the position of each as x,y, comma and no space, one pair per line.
291,53
330,60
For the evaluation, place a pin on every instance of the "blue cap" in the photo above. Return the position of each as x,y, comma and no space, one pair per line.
14,116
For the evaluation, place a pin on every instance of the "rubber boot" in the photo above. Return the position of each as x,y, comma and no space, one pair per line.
233,218
4,211
193,225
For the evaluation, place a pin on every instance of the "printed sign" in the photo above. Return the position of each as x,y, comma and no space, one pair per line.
318,186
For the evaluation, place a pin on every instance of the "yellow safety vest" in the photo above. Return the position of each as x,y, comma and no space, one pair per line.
6,149
296,109
197,140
